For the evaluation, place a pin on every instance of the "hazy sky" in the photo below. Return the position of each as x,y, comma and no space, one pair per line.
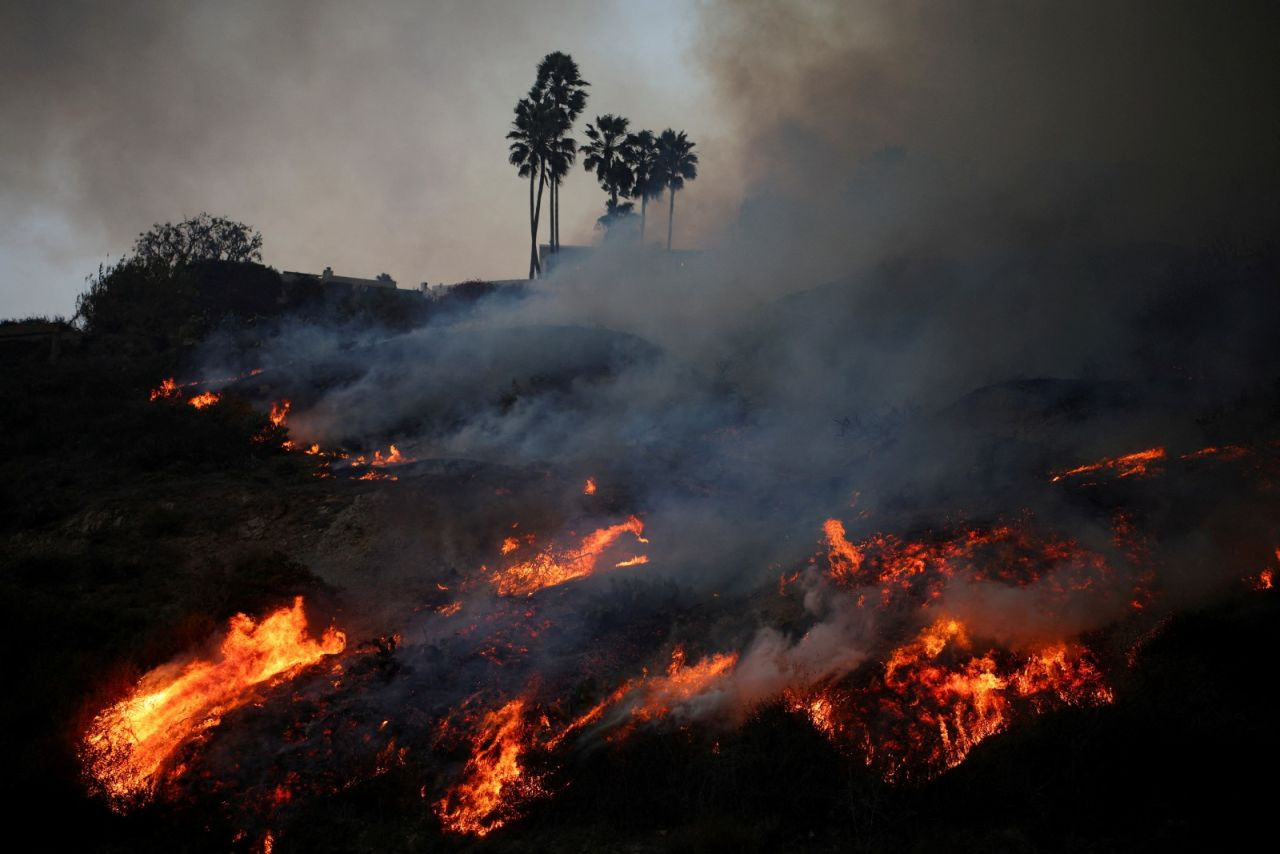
833,134
368,137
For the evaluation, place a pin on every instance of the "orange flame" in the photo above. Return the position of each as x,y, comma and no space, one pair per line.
129,745
548,568
937,701
1130,464
844,558
493,777
167,389
207,398
590,487
280,412
682,683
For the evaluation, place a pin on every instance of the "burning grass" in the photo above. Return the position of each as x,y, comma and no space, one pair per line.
130,746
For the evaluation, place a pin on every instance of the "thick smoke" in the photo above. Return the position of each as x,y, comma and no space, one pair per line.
979,242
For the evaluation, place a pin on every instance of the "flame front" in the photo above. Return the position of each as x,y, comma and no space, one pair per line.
129,745
1125,466
493,778
937,700
549,568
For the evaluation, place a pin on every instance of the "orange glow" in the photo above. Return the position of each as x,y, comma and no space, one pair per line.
376,475
590,487
937,699
167,389
206,398
1265,580
129,745
393,457
659,696
493,779
638,560
844,558
1226,453
549,568
1125,466
450,609
280,412
1011,554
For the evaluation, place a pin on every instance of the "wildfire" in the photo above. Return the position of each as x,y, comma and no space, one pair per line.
1012,554
1130,464
207,398
1265,580
549,568
493,779
844,558
280,412
392,458
167,389
661,695
937,700
589,488
129,745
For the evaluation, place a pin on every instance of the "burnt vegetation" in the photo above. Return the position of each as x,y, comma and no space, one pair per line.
135,528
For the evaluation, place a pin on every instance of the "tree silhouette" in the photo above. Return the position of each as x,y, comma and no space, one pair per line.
560,82
642,158
537,126
676,164
198,238
606,154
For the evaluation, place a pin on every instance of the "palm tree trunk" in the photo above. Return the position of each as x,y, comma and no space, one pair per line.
644,203
533,228
537,214
671,215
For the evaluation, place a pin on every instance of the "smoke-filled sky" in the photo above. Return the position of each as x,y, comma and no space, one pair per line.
370,138
367,137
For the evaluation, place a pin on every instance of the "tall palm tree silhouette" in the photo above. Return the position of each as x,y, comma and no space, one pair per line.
642,157
561,83
537,126
606,154
676,164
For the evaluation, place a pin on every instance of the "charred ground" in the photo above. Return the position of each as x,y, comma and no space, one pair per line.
134,530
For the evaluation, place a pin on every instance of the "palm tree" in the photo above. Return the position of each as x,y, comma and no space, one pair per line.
642,150
676,164
559,79
606,154
533,133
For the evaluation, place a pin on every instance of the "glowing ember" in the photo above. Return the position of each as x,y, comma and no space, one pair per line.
1125,466
590,487
207,398
638,560
450,609
1264,580
549,568
1011,554
128,747
1226,453
493,781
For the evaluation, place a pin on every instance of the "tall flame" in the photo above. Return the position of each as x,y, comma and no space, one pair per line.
493,777
129,745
